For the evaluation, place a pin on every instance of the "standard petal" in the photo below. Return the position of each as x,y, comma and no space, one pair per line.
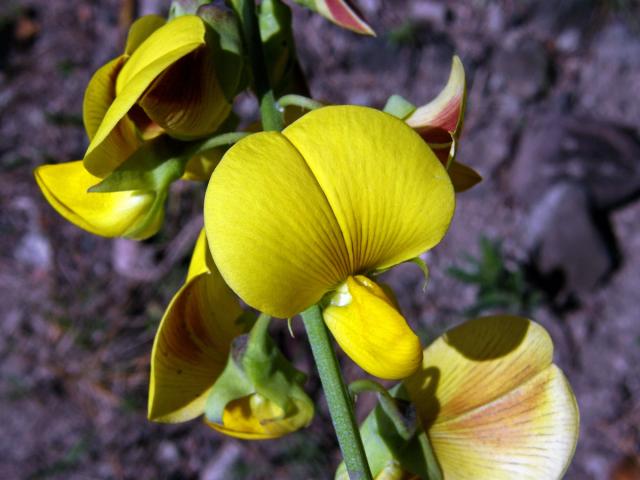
270,228
99,94
391,196
493,404
107,214
161,49
186,100
446,111
192,343
140,31
255,418
367,326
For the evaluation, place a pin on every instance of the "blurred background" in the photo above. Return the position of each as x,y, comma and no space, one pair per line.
552,124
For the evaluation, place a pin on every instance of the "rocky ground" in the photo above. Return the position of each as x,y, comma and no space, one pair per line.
553,123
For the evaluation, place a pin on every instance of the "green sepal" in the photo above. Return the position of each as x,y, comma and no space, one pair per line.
151,167
424,268
399,107
225,39
179,8
256,365
386,445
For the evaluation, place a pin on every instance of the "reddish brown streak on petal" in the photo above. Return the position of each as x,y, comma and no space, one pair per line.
344,15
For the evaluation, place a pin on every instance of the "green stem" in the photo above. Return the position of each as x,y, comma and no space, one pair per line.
299,101
338,398
221,140
406,427
271,117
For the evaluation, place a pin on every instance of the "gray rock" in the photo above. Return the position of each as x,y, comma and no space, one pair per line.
34,250
563,237
603,157
522,69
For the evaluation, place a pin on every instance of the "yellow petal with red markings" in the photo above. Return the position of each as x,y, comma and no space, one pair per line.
445,112
493,404
342,13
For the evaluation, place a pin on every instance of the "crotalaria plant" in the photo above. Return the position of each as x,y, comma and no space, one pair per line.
303,211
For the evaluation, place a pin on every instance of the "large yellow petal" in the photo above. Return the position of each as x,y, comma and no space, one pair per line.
389,348
342,191
192,343
493,404
98,97
256,418
270,228
162,48
391,196
108,214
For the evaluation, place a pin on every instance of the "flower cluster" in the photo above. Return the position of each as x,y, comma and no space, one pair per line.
306,218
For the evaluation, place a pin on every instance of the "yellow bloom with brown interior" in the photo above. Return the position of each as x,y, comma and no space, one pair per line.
190,353
311,213
165,82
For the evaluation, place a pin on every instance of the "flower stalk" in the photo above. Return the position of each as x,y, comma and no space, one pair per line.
337,394
271,118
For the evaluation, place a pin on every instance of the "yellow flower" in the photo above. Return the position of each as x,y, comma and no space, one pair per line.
190,353
164,82
117,214
343,192
492,404
440,121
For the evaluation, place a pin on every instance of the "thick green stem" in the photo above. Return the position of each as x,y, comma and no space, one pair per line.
271,117
338,398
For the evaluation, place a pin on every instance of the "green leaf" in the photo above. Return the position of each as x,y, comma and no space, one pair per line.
276,33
